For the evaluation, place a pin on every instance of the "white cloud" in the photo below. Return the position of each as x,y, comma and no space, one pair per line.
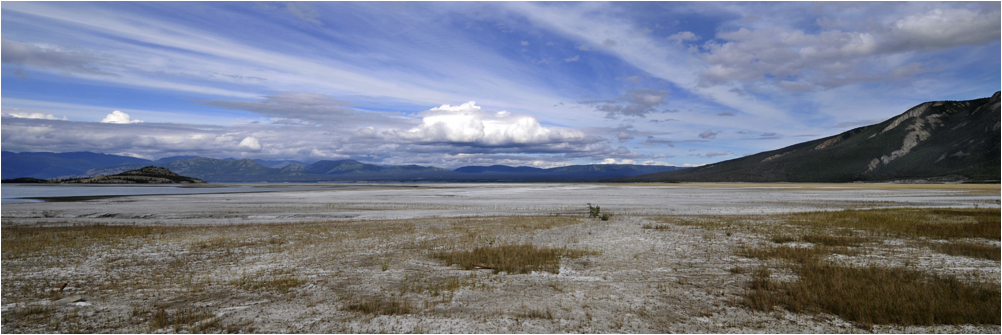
683,36
525,43
467,124
250,143
656,163
119,117
947,27
613,161
572,59
852,52
30,115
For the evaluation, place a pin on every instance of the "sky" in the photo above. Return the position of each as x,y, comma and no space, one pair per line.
453,84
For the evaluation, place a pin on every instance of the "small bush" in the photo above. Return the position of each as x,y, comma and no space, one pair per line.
594,211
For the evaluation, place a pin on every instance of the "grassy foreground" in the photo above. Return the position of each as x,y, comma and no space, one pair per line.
871,267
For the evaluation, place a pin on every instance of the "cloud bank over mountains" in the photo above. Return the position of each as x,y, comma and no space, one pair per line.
554,83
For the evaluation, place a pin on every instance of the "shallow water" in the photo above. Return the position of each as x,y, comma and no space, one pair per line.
28,193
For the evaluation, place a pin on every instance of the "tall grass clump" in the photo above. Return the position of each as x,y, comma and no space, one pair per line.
256,284
908,222
870,295
969,250
20,242
378,305
513,259
835,241
177,318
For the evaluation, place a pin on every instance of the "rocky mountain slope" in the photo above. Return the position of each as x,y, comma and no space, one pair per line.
934,141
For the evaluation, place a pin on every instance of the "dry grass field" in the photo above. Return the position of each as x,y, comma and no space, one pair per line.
907,269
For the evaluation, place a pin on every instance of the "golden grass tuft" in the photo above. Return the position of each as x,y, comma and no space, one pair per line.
908,222
19,242
513,259
177,318
870,295
533,313
969,250
835,241
378,305
875,295
795,254
256,284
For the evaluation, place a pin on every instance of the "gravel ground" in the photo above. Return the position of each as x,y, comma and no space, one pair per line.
298,261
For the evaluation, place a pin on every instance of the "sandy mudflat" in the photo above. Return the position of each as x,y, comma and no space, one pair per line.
298,261
460,200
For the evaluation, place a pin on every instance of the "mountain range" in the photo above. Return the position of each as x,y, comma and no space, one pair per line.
86,165
938,141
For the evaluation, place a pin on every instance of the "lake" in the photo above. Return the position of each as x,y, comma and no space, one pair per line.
27,193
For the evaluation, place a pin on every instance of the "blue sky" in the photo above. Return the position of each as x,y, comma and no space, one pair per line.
451,84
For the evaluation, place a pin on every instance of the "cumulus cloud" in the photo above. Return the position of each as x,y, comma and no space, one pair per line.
466,124
572,59
250,143
119,117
